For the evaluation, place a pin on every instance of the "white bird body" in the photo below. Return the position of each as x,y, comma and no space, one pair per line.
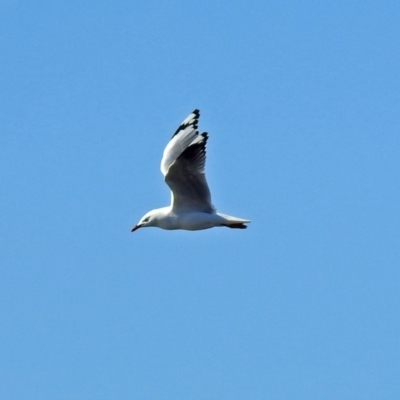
183,165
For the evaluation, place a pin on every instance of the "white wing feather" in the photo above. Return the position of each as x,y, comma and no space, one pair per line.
183,165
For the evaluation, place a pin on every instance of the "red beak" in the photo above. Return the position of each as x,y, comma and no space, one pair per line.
135,228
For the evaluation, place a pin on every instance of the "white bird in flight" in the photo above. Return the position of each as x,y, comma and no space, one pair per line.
183,165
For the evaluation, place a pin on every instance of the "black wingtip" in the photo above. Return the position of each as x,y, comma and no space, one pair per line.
194,122
238,225
195,150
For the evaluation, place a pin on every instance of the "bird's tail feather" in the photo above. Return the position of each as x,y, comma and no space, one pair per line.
233,222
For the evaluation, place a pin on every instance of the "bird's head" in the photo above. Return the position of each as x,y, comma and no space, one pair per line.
149,219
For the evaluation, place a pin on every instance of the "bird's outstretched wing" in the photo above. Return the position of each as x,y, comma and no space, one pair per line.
183,165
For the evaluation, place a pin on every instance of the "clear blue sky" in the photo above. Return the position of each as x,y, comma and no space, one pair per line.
302,104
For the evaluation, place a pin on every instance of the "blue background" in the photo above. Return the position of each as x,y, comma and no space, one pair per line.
302,104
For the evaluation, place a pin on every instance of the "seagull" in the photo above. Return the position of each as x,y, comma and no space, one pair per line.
183,165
